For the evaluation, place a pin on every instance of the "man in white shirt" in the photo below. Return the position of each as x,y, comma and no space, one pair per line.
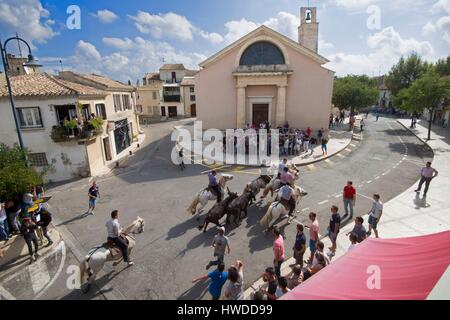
375,215
281,166
427,174
114,231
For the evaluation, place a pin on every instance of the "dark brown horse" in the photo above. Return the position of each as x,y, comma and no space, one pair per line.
218,211
238,205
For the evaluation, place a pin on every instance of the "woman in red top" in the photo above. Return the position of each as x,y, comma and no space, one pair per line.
349,198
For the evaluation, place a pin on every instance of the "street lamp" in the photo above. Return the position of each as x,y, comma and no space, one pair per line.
32,62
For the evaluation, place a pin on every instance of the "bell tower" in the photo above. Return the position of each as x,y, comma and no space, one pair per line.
308,32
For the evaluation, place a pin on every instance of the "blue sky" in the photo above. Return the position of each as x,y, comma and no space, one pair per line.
125,39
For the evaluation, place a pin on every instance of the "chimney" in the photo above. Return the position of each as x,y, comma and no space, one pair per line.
308,32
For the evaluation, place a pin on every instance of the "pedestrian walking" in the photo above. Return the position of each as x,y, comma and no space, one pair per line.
361,125
299,246
235,288
375,215
427,173
324,145
278,251
181,159
220,243
349,199
313,235
333,229
93,194
218,278
378,116
358,230
28,232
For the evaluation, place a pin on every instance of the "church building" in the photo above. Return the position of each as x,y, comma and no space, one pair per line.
266,76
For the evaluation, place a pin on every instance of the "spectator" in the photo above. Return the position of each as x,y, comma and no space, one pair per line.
349,198
295,277
220,243
375,215
313,235
218,278
93,194
235,288
312,270
28,232
354,242
427,174
362,124
324,145
270,278
308,131
299,246
278,251
282,287
306,139
333,229
312,145
4,231
13,209
44,222
259,296
358,230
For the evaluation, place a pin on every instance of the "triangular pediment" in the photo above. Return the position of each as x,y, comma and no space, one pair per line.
266,31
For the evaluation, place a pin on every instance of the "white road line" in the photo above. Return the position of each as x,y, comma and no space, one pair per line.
4,293
364,196
39,275
338,196
349,150
306,209
323,202
369,182
340,155
376,178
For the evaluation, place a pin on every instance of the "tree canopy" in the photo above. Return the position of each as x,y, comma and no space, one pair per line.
354,92
16,175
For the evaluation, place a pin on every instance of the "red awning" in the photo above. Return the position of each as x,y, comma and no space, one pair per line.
409,268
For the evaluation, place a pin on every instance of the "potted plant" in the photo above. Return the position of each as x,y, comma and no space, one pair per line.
96,124
70,125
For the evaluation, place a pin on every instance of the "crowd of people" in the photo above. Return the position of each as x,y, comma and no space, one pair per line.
21,216
304,268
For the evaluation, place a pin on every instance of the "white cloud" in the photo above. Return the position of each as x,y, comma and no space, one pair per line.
387,48
133,58
428,29
106,16
169,25
213,37
238,29
442,6
28,18
118,43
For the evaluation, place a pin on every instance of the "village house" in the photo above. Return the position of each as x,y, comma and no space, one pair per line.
78,125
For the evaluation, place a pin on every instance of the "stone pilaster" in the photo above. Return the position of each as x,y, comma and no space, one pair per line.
281,106
240,108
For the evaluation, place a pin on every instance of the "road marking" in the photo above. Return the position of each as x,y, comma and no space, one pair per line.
349,150
378,177
39,275
306,209
323,202
337,196
311,167
340,155
369,182
364,196
329,161
352,144
4,293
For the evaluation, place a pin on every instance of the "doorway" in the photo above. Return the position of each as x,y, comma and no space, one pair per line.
260,113
193,110
163,111
172,112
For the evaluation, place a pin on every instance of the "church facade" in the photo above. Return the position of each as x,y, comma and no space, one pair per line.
266,76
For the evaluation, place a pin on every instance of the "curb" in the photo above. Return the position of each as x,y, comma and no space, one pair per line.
416,135
297,164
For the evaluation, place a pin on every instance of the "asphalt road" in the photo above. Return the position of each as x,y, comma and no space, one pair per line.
172,251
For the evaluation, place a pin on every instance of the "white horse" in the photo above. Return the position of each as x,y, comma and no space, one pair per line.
96,258
275,183
204,195
277,210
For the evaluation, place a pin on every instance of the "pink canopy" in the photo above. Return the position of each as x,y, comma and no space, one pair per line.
408,269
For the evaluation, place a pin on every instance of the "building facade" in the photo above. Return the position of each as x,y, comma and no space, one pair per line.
74,128
266,76
148,97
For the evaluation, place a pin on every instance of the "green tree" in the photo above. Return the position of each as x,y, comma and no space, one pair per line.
16,175
427,93
354,92
405,72
442,67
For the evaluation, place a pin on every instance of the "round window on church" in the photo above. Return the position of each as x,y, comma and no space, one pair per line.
262,53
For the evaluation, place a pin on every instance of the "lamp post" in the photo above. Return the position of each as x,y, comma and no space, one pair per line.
30,63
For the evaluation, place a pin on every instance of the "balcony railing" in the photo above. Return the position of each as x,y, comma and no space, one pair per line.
71,130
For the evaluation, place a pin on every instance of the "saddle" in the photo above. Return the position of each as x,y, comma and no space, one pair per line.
212,190
285,203
266,179
113,248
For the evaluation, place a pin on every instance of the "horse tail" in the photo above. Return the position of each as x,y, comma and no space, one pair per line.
193,206
82,270
267,217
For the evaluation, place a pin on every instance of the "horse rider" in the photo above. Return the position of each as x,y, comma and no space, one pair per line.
287,198
264,172
115,236
281,166
214,185
287,178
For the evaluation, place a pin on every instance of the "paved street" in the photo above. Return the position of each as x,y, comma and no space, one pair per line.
172,251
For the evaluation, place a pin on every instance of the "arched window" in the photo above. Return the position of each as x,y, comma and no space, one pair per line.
262,53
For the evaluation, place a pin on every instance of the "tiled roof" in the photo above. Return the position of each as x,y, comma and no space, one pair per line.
43,84
191,73
109,83
172,67
152,76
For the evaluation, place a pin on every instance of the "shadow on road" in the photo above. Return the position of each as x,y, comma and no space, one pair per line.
197,292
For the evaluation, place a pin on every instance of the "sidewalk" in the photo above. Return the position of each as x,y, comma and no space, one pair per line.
16,251
409,214
340,140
